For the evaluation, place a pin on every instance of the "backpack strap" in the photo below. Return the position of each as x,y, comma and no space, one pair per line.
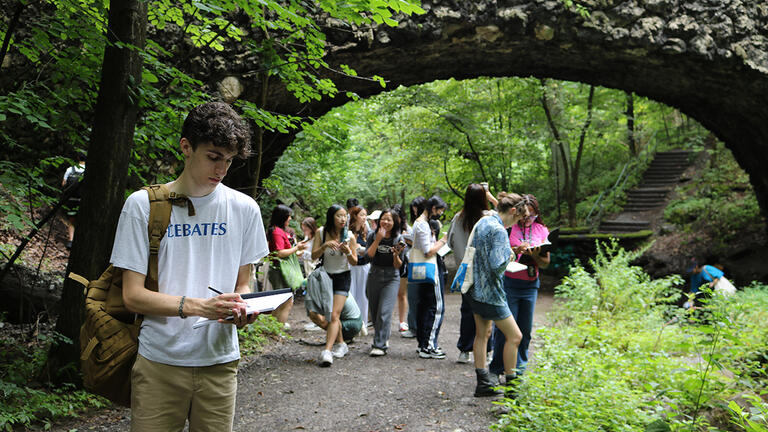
161,201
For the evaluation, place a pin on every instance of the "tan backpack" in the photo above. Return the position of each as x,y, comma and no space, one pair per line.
109,334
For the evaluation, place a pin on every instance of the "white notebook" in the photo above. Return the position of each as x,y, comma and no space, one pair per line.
514,267
259,302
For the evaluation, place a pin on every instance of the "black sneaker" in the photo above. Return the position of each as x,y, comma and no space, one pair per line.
429,353
438,353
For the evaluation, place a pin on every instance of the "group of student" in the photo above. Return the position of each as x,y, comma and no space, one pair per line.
366,258
184,374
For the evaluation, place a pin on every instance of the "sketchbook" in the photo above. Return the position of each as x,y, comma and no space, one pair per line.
551,242
259,302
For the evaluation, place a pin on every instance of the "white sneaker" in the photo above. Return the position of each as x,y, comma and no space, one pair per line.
312,327
286,326
326,359
340,350
377,352
364,331
464,357
403,326
407,334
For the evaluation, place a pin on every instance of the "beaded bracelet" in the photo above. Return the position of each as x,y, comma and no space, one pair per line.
181,307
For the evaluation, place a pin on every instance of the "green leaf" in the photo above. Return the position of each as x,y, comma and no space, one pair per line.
148,77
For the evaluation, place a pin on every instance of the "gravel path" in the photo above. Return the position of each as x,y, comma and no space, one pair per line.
283,389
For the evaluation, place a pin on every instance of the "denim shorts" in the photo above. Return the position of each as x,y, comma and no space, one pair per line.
488,311
341,283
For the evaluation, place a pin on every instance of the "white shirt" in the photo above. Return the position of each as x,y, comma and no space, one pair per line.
196,252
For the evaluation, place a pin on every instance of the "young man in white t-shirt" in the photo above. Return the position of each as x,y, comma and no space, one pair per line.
183,373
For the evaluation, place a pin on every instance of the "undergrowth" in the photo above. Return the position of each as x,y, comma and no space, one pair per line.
26,402
620,356
253,337
722,197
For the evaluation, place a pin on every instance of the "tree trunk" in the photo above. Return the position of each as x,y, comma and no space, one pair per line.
573,192
260,136
11,29
631,124
561,147
104,181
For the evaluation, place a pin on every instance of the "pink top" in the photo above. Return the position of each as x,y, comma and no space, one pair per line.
279,240
535,235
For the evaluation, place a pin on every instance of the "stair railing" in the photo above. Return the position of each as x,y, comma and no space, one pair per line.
629,169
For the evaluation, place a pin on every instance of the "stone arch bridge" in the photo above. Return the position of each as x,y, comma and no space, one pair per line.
708,58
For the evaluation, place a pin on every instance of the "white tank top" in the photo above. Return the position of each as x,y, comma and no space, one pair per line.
334,261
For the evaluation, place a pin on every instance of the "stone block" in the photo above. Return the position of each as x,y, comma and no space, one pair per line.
674,46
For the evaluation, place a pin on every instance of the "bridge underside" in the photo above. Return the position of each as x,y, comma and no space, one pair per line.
707,59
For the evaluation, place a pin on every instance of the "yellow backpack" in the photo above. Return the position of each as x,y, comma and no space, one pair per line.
109,334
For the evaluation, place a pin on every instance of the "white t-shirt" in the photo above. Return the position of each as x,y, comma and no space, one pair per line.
422,236
196,252
75,171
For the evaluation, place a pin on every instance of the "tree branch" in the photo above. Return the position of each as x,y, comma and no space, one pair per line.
447,180
469,142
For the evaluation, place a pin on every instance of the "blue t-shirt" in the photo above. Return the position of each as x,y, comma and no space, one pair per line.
705,276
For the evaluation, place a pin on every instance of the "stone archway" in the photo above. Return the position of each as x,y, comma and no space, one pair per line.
708,58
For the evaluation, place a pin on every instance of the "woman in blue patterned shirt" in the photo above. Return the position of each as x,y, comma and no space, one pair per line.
487,296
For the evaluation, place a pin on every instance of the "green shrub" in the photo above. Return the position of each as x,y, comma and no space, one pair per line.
23,400
620,356
253,337
720,197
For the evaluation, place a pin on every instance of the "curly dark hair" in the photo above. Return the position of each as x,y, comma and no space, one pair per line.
219,124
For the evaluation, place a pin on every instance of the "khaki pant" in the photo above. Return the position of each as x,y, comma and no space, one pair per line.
163,397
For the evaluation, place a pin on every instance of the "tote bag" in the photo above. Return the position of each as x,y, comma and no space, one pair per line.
464,278
723,286
291,271
420,268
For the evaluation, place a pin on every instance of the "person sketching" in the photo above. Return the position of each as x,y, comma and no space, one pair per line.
183,373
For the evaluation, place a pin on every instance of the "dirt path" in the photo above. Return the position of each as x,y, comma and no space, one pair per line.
284,390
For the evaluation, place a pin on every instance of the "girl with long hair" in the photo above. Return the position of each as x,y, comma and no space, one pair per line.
280,245
476,205
335,245
402,290
308,227
358,226
408,327
384,248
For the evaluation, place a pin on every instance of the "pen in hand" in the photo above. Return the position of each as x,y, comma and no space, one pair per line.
215,290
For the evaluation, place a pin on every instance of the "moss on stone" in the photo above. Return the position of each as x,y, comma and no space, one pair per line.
605,236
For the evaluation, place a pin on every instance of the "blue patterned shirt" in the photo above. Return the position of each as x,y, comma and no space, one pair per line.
492,252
